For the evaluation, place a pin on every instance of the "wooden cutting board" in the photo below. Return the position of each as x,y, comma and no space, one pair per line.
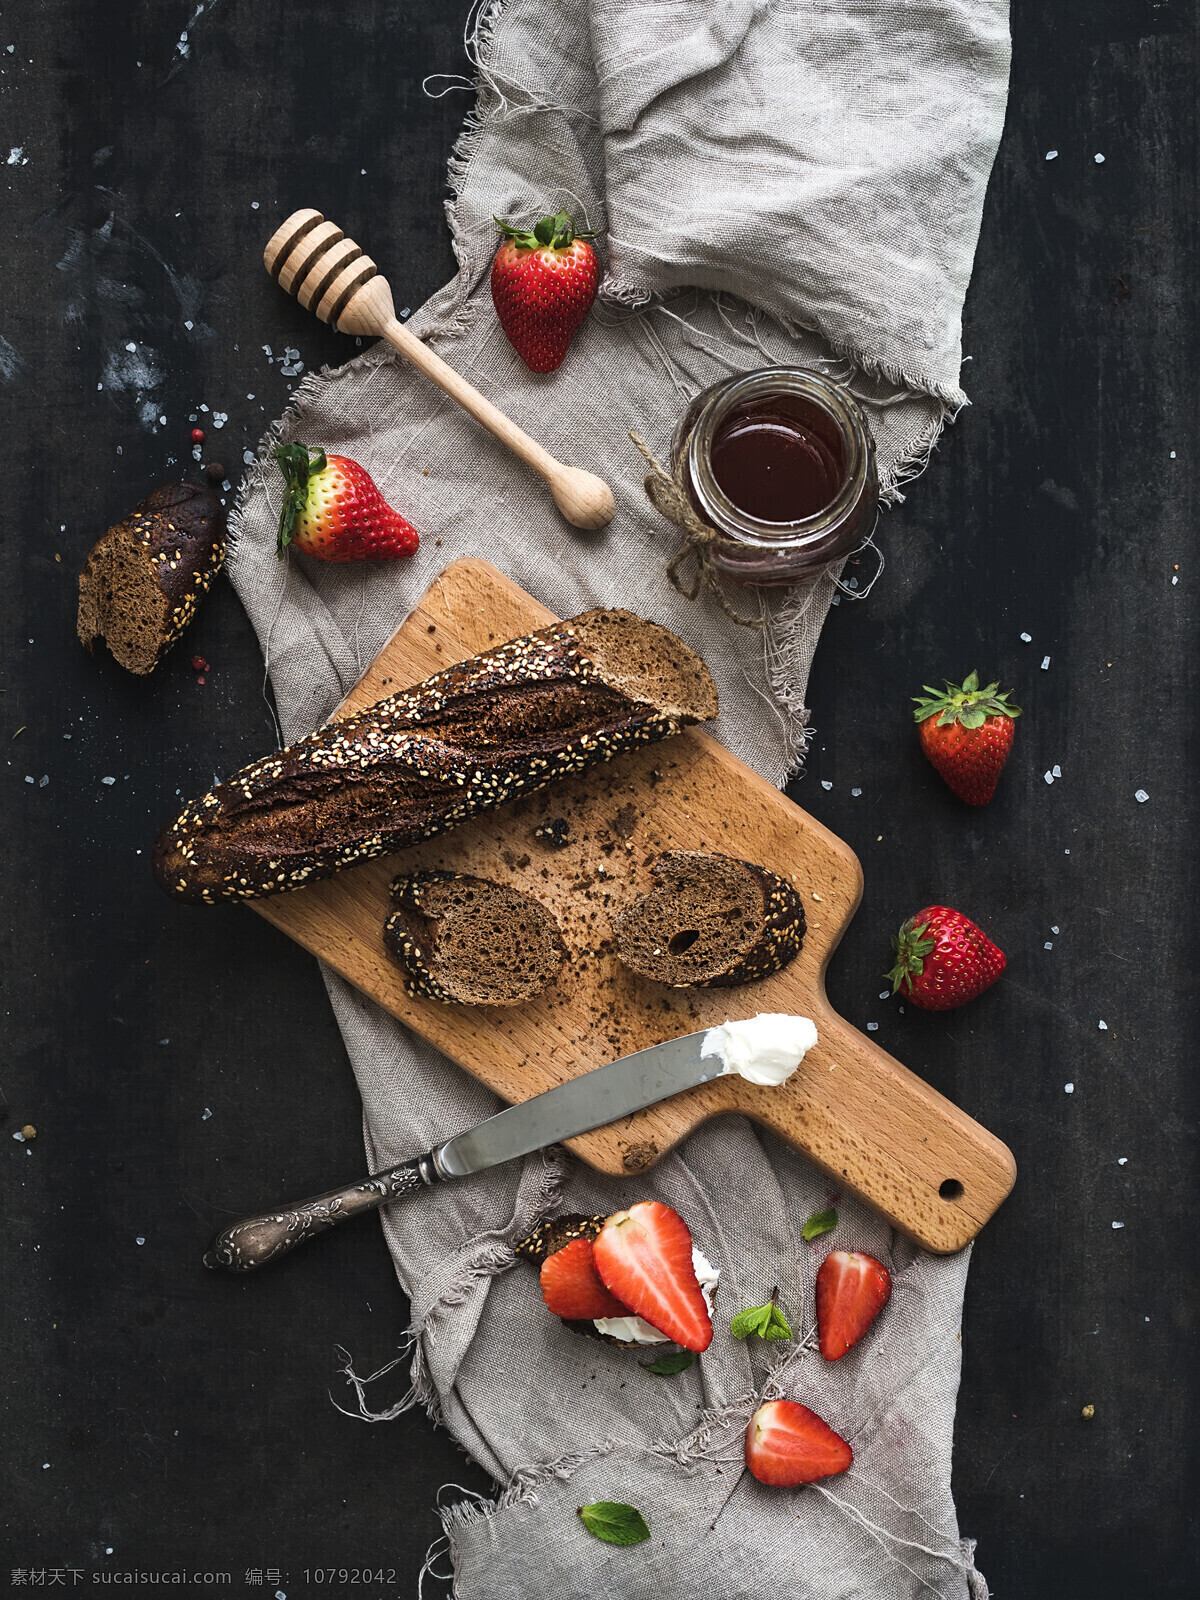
866,1120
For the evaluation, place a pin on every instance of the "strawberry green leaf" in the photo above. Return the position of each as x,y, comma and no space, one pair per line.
911,948
554,233
763,1322
966,703
820,1222
667,1366
614,1523
298,465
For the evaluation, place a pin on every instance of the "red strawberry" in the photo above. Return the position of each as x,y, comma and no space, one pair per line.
967,733
644,1255
943,959
787,1444
543,285
333,511
852,1289
571,1285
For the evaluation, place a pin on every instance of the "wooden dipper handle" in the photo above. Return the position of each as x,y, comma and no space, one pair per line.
329,274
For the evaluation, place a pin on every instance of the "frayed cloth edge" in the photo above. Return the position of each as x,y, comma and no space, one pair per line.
951,396
486,1256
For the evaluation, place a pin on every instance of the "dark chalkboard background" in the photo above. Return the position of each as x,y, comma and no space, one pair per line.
182,1419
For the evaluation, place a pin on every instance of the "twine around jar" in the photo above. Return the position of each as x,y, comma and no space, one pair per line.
668,495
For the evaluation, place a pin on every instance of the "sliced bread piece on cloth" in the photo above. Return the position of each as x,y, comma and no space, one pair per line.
829,166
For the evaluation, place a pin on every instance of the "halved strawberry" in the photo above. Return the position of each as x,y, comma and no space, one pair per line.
852,1289
787,1444
644,1255
571,1286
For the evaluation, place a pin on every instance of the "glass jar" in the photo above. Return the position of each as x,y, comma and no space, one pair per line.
781,463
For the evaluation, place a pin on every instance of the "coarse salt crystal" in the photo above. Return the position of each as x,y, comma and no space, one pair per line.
141,1239
1118,1224
825,783
1121,1160
885,994
1140,796
1048,945
207,1112
1098,159
1103,1026
872,1027
1049,776
1045,663
1068,1088
1051,155
108,780
855,793
1026,638
1056,770
1054,927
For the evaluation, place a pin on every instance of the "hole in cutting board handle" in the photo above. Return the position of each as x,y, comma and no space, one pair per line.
950,1189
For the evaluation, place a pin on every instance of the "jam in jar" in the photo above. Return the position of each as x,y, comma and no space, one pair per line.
781,464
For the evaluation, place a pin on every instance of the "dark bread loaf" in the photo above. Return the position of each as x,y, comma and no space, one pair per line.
468,940
498,725
143,579
710,922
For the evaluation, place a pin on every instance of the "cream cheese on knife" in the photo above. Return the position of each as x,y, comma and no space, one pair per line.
765,1049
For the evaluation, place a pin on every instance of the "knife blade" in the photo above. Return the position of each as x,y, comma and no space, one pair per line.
604,1095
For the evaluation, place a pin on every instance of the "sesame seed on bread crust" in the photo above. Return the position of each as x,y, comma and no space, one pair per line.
500,724
711,921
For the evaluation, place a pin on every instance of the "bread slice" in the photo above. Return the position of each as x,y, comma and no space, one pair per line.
711,921
471,941
493,727
143,579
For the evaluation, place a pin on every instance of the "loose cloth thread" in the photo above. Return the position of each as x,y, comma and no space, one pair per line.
667,493
828,166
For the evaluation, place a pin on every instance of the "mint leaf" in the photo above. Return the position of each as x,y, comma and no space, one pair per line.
754,1320
820,1222
614,1523
667,1366
765,1322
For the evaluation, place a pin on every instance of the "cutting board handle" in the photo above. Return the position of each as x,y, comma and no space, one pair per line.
870,1123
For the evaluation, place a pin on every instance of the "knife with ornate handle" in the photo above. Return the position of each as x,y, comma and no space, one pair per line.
589,1101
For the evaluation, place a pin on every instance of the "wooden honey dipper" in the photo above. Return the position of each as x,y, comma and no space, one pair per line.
329,274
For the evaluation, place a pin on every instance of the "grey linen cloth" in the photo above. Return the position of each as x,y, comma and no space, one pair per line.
779,182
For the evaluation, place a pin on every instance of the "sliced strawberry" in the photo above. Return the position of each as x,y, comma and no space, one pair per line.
787,1444
644,1255
852,1289
571,1285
